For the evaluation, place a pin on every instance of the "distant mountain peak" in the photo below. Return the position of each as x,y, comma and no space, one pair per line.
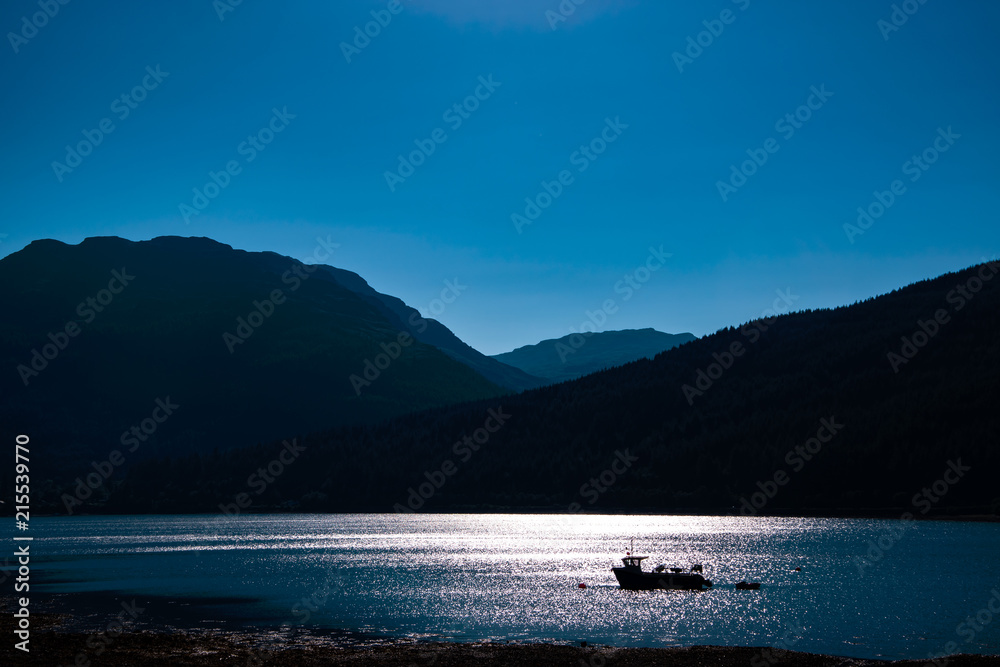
570,357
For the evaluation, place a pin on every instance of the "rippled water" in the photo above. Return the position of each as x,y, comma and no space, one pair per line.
501,577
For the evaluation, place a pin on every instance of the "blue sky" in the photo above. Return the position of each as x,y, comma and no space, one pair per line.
677,131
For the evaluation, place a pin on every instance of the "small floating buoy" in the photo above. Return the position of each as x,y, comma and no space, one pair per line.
798,569
582,586
748,586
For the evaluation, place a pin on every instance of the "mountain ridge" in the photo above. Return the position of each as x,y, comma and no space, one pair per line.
252,346
432,332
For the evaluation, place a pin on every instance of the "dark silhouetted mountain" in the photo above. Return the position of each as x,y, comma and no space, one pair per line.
576,355
432,332
249,346
885,405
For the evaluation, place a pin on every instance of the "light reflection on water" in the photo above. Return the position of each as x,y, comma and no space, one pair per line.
506,577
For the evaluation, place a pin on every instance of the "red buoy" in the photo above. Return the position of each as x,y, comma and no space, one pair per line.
582,586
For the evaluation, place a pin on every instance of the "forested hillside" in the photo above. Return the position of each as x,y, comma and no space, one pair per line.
894,392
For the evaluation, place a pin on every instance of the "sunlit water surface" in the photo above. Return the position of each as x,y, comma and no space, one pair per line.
516,577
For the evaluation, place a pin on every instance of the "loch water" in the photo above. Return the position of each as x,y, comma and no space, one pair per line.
866,588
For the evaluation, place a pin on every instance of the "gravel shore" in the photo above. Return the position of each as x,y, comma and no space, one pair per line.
194,648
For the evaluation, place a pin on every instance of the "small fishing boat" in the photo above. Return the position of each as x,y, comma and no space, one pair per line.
631,576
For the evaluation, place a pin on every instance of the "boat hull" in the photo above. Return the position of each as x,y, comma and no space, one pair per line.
631,580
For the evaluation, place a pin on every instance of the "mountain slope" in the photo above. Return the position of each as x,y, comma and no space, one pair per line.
250,346
844,410
576,355
432,332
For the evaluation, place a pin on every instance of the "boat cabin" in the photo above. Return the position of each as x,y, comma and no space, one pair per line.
634,561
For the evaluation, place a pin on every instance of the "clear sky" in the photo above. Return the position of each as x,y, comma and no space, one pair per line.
660,131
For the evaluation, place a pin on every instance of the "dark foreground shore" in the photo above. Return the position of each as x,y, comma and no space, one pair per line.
195,648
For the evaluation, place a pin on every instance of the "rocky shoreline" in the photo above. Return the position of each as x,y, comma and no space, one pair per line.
85,638
51,647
